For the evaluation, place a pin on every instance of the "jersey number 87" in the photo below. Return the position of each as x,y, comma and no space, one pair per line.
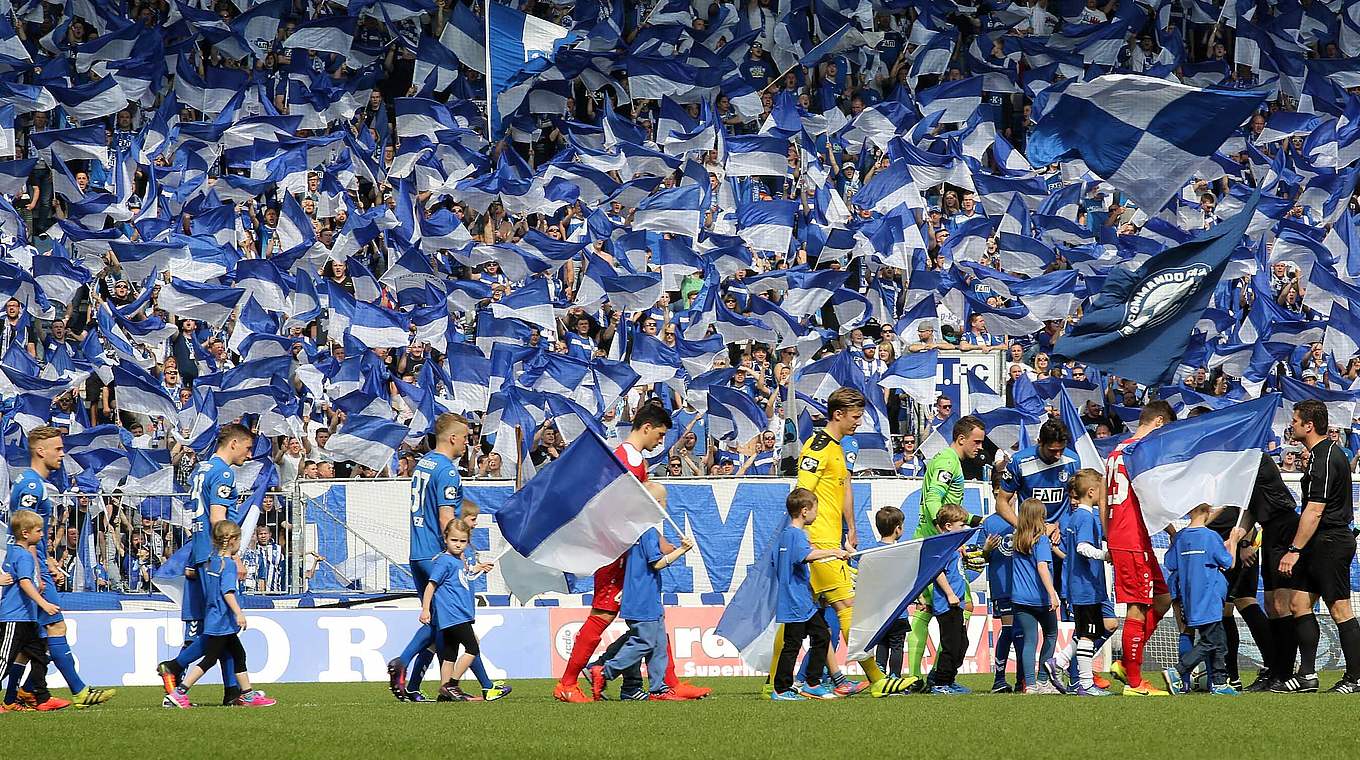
418,482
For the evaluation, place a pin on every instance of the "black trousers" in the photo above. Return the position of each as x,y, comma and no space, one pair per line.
818,634
456,636
953,640
889,653
24,638
229,645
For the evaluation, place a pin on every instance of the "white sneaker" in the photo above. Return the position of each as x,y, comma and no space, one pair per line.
1043,687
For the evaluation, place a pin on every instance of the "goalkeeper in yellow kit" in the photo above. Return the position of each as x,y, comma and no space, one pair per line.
824,468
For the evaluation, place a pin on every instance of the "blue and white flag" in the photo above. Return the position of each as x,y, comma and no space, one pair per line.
370,441
140,392
914,373
212,304
892,577
1209,459
465,35
581,512
654,361
1081,442
516,38
1140,324
1131,130
169,577
956,101
677,210
734,415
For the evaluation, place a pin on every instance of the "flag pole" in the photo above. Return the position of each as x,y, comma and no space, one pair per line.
486,47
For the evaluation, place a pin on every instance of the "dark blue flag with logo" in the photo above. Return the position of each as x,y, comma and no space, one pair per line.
1139,325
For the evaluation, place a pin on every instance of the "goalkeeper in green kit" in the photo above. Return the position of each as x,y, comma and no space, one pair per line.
943,485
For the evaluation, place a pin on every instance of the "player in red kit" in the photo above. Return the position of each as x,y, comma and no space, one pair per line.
1138,580
650,425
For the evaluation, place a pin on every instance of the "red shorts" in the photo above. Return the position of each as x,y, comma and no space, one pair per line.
1137,576
609,586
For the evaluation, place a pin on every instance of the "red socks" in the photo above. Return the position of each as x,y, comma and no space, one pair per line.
671,679
1133,638
587,641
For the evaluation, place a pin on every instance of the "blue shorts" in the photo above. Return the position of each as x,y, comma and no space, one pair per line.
1002,607
191,606
49,593
420,573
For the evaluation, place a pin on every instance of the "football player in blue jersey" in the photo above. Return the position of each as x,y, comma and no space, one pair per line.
213,498
32,491
436,499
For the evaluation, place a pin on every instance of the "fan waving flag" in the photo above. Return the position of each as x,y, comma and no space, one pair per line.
581,512
514,39
1147,136
1139,325
891,578
1210,459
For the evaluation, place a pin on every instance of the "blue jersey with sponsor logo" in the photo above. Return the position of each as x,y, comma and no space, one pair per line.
453,602
214,485
15,605
434,484
31,492
1028,476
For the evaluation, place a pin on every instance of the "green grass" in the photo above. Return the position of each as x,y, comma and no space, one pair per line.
363,721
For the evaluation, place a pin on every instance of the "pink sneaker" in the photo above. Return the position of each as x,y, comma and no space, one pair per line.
177,699
255,699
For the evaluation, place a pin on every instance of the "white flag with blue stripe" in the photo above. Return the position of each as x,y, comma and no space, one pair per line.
1210,459
581,512
890,578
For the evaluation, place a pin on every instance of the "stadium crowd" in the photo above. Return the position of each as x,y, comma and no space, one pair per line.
291,214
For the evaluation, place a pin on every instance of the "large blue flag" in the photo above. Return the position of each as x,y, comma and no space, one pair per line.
1139,325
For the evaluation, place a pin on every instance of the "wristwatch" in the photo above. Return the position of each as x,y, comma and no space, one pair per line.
1292,549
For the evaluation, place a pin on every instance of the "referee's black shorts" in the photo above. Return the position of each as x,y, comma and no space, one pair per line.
1243,579
1324,566
1276,536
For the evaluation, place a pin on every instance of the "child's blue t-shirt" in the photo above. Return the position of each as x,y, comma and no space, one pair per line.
953,573
1083,577
1196,561
1026,586
453,602
999,561
641,581
15,605
219,578
794,604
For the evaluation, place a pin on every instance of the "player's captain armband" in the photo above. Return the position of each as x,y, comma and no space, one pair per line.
810,464
944,477
28,501
450,492
223,491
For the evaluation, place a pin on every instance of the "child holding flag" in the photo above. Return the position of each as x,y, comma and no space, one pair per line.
1195,564
795,608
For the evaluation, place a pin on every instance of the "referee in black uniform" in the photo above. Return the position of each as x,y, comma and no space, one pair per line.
1318,560
1271,513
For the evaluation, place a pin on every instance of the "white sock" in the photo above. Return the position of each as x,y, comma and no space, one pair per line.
1086,652
1064,658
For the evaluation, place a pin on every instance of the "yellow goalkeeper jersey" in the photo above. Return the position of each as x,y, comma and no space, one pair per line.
822,470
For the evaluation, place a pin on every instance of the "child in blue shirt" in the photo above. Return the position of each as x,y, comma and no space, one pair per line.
1001,539
1195,564
21,642
889,521
946,604
795,608
1034,598
223,621
449,606
1083,545
641,609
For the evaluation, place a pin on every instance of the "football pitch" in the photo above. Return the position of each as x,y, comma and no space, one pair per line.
364,721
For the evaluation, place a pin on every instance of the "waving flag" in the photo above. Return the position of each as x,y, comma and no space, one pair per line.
734,415
1140,324
1210,458
1132,130
370,441
139,392
892,577
210,303
914,373
581,512
1082,442
516,38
